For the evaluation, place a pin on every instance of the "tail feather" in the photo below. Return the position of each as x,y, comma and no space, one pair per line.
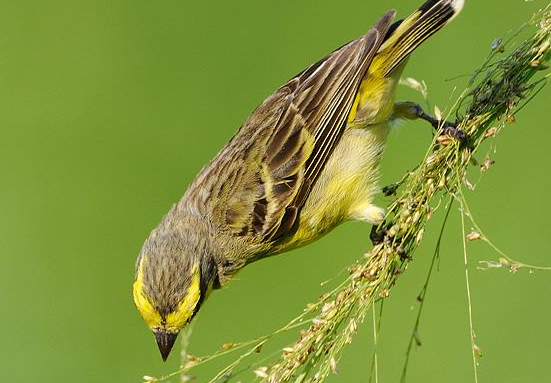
406,35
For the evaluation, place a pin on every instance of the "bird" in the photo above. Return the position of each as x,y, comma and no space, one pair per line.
305,160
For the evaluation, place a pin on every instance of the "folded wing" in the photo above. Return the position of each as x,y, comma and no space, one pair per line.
267,170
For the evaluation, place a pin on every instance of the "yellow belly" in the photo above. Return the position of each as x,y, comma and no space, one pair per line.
348,183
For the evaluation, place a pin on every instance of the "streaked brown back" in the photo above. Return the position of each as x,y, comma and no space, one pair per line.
260,180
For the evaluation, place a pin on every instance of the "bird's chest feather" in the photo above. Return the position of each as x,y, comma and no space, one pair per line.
347,183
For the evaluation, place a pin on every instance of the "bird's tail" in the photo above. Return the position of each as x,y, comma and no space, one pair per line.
406,35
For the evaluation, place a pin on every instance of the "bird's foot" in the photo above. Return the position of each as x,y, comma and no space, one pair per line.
383,234
377,235
450,129
391,189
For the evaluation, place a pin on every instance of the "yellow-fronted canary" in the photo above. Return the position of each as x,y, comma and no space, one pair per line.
304,161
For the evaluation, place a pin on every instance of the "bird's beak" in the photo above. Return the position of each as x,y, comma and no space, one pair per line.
165,341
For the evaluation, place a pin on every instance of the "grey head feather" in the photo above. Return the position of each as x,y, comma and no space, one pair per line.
172,253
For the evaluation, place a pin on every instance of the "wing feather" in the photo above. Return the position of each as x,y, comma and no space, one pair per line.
266,172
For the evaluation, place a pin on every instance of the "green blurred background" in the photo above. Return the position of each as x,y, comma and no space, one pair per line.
109,108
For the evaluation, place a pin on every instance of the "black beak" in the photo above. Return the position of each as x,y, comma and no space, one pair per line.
165,341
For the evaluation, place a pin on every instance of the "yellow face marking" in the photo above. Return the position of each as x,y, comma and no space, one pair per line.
151,317
177,319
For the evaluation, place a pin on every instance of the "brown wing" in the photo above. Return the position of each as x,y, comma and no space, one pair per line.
265,173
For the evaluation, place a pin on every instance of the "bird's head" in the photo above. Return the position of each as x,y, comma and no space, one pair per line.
172,280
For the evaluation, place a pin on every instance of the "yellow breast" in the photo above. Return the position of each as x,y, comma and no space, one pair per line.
348,183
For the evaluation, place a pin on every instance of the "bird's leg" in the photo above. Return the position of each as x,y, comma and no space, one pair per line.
411,111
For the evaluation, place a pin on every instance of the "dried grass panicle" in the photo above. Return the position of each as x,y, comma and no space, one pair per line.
496,93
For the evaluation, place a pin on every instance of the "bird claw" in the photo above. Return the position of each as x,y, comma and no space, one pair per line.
451,129
390,190
380,234
377,235
448,128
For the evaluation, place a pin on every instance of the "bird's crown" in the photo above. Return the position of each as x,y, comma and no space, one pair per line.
164,314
